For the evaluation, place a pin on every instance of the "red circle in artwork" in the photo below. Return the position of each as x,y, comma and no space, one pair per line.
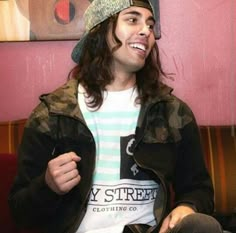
64,11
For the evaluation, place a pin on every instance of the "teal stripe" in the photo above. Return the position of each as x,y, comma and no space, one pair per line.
109,151
112,126
105,115
108,164
98,177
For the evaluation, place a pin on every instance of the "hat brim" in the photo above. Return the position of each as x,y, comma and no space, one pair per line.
77,51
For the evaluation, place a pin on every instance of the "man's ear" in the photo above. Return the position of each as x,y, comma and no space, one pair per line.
23,6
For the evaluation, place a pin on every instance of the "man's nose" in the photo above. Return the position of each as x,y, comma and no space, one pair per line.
145,30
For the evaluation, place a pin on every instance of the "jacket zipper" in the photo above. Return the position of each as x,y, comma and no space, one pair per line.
164,190
155,172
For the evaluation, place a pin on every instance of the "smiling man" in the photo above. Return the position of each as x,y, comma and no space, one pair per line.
101,153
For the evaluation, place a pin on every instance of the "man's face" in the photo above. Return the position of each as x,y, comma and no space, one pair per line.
135,31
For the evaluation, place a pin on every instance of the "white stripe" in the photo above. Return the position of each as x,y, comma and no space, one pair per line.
109,145
107,170
125,121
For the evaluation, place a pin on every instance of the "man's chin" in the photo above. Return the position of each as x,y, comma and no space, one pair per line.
137,67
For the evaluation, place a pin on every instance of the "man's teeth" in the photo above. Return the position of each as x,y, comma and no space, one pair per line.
138,46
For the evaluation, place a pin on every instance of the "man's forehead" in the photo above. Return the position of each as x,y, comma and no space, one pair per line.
138,11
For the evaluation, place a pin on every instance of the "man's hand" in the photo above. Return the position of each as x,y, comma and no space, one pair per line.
175,216
62,173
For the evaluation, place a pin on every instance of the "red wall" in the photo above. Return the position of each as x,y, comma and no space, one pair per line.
198,45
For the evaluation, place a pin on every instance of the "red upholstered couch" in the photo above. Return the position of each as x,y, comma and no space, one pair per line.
8,170
219,143
10,136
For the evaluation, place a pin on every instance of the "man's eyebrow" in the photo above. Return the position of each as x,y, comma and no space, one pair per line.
139,14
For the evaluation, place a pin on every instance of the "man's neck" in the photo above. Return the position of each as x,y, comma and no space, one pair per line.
122,82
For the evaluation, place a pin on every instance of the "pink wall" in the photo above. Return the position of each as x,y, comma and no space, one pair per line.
198,45
28,69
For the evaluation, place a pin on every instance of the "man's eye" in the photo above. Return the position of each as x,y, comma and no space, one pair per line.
151,26
132,20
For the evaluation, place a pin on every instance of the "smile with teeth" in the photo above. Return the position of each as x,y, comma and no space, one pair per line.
138,46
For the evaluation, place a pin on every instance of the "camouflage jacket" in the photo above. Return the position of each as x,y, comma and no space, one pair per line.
167,145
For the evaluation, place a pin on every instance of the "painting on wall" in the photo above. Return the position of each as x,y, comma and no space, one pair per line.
24,20
28,20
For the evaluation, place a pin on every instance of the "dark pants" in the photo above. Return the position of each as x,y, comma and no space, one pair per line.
197,223
193,223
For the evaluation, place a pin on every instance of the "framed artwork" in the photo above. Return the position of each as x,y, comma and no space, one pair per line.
27,20
24,20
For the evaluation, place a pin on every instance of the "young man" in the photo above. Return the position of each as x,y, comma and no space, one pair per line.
102,153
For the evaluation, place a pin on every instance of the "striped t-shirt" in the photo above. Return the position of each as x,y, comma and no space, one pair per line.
121,193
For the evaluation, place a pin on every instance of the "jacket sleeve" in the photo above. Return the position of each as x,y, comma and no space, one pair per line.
30,199
192,183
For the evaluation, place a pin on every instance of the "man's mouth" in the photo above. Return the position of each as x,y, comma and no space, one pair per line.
138,46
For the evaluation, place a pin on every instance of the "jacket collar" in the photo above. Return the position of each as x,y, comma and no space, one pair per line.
163,94
63,101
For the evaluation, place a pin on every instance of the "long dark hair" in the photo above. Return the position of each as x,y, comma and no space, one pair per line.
94,73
